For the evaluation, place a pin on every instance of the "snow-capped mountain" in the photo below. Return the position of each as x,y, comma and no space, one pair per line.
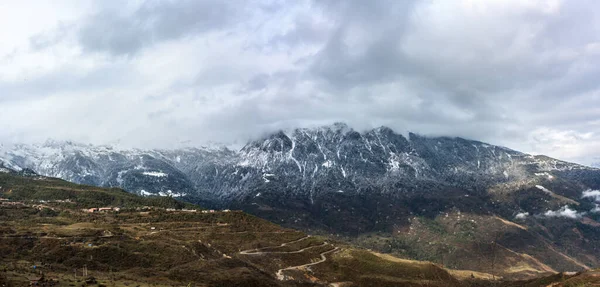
339,180
309,171
138,171
308,162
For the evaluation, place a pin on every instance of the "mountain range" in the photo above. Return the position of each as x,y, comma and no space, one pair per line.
57,227
442,199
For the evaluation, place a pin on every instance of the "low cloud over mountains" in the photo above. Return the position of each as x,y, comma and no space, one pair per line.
154,73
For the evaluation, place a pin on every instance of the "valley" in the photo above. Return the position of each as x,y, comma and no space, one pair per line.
48,230
49,236
458,203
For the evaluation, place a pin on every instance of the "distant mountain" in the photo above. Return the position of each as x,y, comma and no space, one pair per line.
306,159
377,188
181,247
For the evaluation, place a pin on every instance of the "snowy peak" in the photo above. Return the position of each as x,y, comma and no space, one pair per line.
378,151
307,161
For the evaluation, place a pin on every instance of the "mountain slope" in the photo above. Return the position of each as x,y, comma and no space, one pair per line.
308,157
153,242
440,199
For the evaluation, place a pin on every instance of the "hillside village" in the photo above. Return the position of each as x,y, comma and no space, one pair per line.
55,205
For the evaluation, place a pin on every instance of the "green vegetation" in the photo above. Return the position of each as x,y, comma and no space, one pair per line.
51,189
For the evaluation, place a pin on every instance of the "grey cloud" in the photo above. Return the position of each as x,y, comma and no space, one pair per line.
48,39
516,73
66,79
397,37
480,79
380,59
305,32
153,22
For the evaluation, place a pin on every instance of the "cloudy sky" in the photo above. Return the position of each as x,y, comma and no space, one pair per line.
524,74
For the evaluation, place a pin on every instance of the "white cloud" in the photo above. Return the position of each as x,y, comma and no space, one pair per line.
564,144
525,76
543,189
594,194
565,211
522,215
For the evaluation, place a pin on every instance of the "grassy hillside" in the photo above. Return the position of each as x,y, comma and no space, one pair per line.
36,188
146,243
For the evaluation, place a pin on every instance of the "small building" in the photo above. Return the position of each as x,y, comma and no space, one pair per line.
107,209
92,210
226,210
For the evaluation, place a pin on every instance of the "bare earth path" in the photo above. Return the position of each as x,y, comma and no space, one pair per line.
258,250
282,277
279,273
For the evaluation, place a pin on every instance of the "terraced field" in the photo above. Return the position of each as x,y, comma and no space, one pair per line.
45,238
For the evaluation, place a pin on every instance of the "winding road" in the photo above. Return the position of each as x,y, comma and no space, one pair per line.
282,277
258,251
279,273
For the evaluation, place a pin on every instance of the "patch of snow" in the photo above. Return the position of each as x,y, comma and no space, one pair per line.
155,173
367,144
257,195
120,177
394,163
505,174
327,164
340,191
245,177
267,175
291,153
321,150
343,172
